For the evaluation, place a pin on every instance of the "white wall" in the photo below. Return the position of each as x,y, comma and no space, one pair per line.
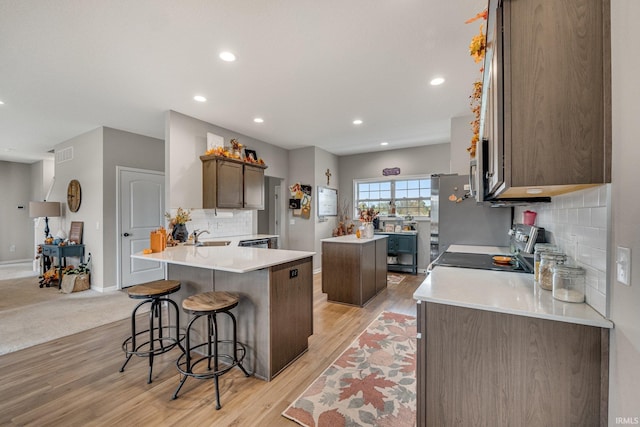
95,157
86,167
625,301
186,141
301,230
423,160
124,149
460,139
323,161
578,223
16,227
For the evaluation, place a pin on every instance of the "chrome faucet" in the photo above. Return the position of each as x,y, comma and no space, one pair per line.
196,234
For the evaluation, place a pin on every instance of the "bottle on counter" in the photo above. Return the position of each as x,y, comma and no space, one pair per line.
548,261
569,283
538,249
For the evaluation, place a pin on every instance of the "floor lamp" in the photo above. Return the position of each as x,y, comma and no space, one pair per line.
44,210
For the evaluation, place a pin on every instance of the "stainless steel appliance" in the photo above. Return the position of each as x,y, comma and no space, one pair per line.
456,217
255,243
522,240
524,237
489,171
513,263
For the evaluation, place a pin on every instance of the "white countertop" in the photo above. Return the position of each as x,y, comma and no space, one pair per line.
351,238
409,232
233,259
235,240
472,249
501,292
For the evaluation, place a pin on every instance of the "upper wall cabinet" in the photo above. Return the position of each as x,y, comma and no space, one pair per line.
231,184
546,107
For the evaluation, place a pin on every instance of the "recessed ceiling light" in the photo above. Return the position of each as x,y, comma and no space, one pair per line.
357,122
227,56
534,190
384,143
1,103
200,98
258,120
437,81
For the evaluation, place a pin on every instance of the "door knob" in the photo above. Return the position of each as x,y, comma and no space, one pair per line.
126,234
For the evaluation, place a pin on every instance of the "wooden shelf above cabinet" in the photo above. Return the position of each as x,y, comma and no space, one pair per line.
231,159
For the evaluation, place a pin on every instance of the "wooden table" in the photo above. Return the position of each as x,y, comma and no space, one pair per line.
62,252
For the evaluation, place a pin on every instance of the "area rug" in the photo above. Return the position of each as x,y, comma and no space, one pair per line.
394,279
372,383
17,270
31,315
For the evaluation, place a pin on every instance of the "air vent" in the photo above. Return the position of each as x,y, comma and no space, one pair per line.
64,155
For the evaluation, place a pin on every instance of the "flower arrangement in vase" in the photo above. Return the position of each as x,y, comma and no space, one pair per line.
367,215
177,223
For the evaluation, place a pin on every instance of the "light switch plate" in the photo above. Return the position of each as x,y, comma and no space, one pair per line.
623,265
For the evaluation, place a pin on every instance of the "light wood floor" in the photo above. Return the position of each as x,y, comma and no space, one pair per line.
74,381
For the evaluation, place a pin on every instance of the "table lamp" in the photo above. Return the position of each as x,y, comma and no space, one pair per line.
46,210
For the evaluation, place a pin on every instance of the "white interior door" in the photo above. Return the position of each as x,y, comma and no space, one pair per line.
141,211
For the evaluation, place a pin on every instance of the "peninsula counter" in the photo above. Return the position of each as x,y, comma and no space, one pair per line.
275,313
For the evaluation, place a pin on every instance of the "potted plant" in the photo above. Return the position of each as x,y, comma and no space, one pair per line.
77,279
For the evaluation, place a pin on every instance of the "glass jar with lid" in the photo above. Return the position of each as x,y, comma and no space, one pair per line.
569,283
548,261
538,249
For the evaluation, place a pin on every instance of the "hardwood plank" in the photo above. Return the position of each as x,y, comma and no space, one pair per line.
75,380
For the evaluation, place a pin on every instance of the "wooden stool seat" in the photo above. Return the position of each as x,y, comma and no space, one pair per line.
209,302
208,305
156,288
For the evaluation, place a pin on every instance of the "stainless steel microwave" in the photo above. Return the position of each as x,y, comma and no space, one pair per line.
489,171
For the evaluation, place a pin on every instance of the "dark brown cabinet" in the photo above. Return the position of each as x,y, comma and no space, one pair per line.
253,187
483,368
354,271
290,312
546,125
231,184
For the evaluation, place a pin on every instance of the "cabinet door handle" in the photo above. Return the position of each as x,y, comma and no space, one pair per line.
126,234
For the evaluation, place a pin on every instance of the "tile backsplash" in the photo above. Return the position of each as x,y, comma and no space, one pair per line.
578,223
221,223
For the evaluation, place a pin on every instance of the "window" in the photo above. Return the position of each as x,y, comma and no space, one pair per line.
409,196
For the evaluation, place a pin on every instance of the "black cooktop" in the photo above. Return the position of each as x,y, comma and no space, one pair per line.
481,262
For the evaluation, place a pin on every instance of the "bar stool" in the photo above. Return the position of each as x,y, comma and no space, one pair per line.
159,339
209,305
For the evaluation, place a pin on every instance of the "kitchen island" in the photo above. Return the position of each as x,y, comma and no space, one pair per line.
354,270
495,350
275,317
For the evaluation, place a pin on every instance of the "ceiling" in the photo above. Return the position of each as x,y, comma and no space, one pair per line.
308,68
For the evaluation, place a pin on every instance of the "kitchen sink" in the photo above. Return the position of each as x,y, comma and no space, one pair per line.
211,243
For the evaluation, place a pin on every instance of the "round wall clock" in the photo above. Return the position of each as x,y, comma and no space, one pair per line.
74,195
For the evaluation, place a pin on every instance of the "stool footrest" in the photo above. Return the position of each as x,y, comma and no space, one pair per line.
143,349
181,363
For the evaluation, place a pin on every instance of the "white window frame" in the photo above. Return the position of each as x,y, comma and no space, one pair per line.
393,180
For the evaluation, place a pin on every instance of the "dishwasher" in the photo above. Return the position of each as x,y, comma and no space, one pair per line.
255,243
